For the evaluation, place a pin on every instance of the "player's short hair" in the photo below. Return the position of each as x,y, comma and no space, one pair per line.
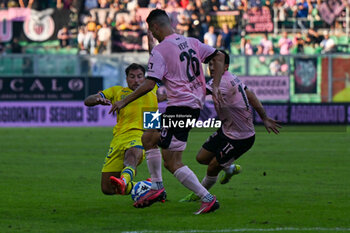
158,15
135,66
227,57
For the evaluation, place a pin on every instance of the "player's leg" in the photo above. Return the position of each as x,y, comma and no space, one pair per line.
132,158
150,139
207,158
112,166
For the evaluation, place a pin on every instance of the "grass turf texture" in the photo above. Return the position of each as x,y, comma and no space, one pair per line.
50,182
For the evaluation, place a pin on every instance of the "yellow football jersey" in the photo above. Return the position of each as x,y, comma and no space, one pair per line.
131,116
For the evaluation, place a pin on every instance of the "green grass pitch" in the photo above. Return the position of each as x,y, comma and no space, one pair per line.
298,181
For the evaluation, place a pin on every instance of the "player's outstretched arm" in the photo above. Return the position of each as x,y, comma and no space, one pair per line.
96,99
270,124
143,89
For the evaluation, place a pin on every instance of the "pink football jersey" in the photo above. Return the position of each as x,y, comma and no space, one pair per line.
176,61
235,112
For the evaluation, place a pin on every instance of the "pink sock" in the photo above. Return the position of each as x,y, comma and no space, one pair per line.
209,181
190,181
154,163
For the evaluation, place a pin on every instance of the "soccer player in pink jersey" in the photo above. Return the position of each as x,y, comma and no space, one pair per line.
236,135
176,62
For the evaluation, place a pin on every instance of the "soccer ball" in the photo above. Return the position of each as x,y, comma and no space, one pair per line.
140,189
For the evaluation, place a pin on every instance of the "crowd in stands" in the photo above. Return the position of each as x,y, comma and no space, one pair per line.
95,37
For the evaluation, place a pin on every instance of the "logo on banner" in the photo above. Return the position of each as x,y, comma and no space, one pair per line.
40,26
151,120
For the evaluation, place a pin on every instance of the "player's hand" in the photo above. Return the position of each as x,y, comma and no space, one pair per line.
272,125
117,106
151,40
217,96
103,101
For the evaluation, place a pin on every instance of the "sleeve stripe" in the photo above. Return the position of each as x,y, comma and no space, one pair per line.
154,79
210,56
102,95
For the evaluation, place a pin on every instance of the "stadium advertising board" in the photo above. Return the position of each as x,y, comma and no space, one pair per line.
268,88
308,113
259,20
76,114
53,114
48,88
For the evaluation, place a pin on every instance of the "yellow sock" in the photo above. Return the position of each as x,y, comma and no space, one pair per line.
127,174
129,187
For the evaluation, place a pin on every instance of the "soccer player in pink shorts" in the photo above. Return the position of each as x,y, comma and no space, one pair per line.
236,135
176,62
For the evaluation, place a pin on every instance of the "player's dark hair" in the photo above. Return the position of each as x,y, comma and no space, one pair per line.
134,66
156,15
227,57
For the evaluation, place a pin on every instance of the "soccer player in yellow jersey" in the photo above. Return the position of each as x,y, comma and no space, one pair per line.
126,150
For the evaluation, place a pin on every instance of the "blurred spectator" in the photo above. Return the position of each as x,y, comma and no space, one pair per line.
64,36
248,48
224,5
242,45
195,27
80,39
184,23
103,4
115,5
275,67
302,13
225,38
26,3
265,46
135,23
104,38
184,3
255,4
143,3
285,44
327,44
90,4
15,46
205,20
122,24
214,5
313,38
299,42
210,37
241,5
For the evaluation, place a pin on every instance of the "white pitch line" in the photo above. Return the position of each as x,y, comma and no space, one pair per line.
248,230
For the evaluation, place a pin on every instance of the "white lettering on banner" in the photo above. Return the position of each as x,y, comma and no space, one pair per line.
5,30
37,85
268,88
13,85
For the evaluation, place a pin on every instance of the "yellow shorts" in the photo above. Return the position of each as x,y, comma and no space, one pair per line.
114,161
